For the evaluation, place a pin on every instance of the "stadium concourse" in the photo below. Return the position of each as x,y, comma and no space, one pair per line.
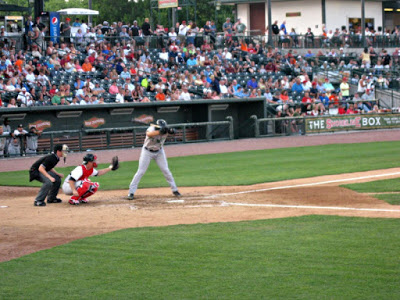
59,224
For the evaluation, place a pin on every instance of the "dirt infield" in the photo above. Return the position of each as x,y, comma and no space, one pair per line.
25,229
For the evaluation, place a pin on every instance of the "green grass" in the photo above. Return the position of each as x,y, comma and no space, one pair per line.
379,186
250,167
311,257
393,199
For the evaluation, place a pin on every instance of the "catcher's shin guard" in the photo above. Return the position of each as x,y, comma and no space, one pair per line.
87,189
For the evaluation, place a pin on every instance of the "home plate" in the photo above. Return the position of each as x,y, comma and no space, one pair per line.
3,206
176,201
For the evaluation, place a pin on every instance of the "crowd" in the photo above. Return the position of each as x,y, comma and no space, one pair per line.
94,68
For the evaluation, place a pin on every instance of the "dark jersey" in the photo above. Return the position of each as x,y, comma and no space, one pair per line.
48,161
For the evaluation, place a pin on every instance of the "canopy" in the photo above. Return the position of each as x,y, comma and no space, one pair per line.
78,11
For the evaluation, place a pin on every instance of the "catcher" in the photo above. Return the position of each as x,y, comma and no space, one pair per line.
156,135
78,183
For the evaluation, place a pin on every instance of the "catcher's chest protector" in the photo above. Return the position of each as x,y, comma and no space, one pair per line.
85,173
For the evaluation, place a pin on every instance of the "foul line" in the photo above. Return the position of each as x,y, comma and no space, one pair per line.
302,185
312,207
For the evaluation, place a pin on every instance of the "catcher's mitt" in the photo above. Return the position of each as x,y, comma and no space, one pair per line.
114,163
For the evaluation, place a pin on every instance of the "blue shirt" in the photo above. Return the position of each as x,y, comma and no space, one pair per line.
252,84
297,88
324,100
191,62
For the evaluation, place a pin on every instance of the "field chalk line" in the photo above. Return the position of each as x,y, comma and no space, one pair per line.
311,207
302,185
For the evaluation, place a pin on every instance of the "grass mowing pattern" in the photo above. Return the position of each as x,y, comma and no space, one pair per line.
245,168
324,257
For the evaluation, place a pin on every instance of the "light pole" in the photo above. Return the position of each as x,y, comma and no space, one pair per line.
217,4
269,24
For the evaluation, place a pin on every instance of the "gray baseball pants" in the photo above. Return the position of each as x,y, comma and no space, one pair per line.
144,161
49,189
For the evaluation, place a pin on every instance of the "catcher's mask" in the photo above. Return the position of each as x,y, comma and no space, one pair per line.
90,158
161,123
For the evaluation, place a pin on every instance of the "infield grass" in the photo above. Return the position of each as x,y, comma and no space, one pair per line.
310,257
380,186
246,168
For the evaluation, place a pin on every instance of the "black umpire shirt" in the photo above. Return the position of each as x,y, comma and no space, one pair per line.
48,162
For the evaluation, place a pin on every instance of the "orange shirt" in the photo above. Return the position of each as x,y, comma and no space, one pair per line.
160,97
19,63
87,67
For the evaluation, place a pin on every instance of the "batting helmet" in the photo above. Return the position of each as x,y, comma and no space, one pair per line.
161,123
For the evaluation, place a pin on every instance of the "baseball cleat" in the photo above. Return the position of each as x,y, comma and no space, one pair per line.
84,200
177,194
55,200
73,202
39,203
130,196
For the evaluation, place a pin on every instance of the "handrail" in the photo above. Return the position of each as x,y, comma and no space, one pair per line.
80,133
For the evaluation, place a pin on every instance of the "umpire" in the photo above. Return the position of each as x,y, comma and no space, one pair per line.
43,170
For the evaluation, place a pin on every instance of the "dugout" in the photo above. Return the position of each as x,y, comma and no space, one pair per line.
83,117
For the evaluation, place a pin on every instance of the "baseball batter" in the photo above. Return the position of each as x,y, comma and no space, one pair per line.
78,184
153,149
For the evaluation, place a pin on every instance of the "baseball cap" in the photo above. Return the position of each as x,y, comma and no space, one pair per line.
20,125
24,89
2,27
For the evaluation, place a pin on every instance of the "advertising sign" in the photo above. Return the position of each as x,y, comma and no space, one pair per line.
94,122
54,27
167,3
352,122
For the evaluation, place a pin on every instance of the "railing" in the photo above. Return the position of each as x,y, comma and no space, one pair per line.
267,127
219,40
126,137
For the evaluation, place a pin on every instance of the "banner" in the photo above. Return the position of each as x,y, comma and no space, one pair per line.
167,3
55,27
352,122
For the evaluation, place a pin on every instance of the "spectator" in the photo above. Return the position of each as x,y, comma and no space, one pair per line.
297,87
56,99
324,99
345,89
113,90
65,30
25,98
185,95
252,83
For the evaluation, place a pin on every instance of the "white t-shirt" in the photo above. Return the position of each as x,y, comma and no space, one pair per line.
119,98
31,77
185,96
182,29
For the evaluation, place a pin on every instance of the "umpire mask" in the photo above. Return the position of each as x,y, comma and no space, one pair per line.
65,150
